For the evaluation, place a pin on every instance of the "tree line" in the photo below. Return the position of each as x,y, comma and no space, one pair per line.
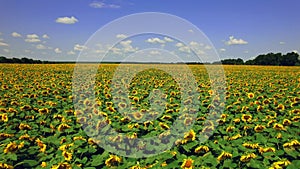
276,59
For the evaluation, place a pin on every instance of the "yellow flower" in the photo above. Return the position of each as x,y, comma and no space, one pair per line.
67,155
267,149
163,126
286,122
236,120
44,111
246,117
248,157
280,164
259,128
280,107
137,115
278,126
187,164
4,136
252,146
24,127
235,137
79,138
164,164
62,127
44,164
5,166
10,147
250,95
190,136
4,117
113,160
224,155
292,144
64,165
201,149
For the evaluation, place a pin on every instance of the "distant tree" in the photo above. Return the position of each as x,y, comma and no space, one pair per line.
238,61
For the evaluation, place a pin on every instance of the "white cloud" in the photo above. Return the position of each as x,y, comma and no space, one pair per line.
103,5
57,50
190,30
155,40
234,41
40,46
71,53
32,38
168,39
3,44
179,44
185,49
16,35
246,51
222,49
295,51
78,47
207,47
281,43
66,20
0,33
121,36
45,36
6,50
127,46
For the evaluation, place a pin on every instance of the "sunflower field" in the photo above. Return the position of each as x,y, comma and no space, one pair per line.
40,128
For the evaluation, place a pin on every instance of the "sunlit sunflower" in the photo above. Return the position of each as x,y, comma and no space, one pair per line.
113,160
248,157
62,127
230,129
4,117
266,149
292,144
259,128
250,95
43,111
235,137
5,136
5,166
278,126
246,117
201,149
137,115
190,136
251,145
63,165
24,127
286,122
187,163
11,147
224,155
67,155
280,107
280,164
164,126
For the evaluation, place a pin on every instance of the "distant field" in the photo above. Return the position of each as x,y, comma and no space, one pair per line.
259,127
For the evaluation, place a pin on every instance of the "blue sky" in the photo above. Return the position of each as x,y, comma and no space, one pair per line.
58,29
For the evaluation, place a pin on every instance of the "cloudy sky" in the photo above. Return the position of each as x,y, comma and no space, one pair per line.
58,30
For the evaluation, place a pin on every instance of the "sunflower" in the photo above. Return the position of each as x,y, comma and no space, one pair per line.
248,157
266,149
246,117
137,115
286,122
280,107
164,126
278,126
166,117
62,127
79,138
43,111
24,127
224,155
201,149
237,120
67,155
4,117
251,145
63,165
4,136
280,164
259,128
11,147
292,144
5,166
230,129
235,137
188,121
250,95
187,163
113,160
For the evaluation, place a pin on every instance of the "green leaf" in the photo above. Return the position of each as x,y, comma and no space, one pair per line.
294,165
30,163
